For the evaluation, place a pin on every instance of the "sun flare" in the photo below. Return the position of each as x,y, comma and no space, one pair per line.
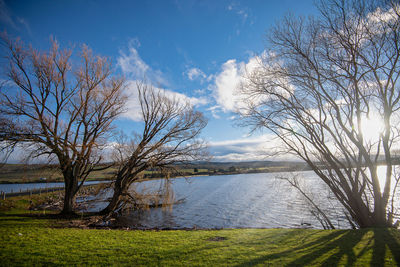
372,127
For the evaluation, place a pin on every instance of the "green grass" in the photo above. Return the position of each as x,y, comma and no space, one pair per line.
28,240
20,173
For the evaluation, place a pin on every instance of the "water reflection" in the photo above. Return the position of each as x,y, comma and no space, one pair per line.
241,201
234,201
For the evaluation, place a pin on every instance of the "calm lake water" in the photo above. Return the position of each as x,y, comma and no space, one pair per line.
233,201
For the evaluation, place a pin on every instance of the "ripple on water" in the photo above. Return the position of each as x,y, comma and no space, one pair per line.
232,201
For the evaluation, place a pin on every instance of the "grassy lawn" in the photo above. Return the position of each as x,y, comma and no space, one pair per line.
20,173
31,240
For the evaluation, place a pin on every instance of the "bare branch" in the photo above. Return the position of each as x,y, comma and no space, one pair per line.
66,110
324,79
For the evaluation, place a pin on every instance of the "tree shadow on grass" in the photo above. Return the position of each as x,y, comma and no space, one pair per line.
14,218
385,240
339,246
331,249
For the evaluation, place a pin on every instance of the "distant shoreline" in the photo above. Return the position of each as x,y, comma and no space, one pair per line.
283,169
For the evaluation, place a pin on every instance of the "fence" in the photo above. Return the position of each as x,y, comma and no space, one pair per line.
31,191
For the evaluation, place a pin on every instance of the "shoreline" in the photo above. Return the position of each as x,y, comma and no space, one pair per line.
158,178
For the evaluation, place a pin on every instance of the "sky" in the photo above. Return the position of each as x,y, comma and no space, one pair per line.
196,50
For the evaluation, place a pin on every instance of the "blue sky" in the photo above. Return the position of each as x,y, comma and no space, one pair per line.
198,49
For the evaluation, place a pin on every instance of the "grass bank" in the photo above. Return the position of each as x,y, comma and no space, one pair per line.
27,239
34,238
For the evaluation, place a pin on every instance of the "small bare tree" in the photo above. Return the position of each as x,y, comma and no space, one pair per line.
322,80
59,109
170,136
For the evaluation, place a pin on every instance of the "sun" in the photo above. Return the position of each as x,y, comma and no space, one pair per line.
372,127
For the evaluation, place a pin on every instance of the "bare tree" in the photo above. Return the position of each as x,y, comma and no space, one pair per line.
60,110
170,136
321,82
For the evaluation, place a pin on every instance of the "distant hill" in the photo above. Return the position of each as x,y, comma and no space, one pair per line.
244,164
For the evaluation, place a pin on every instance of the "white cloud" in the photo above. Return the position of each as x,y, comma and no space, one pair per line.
226,85
378,20
133,104
200,91
24,153
132,63
214,111
195,73
380,15
194,101
210,77
245,149
134,67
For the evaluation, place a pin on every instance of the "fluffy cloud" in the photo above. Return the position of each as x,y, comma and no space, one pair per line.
134,67
214,111
227,81
131,63
195,73
133,104
386,16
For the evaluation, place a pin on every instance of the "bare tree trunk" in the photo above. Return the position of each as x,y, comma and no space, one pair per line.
69,201
170,135
379,214
60,109
71,188
115,200
322,87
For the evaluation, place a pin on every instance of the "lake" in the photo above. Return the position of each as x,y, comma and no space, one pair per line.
259,200
233,201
